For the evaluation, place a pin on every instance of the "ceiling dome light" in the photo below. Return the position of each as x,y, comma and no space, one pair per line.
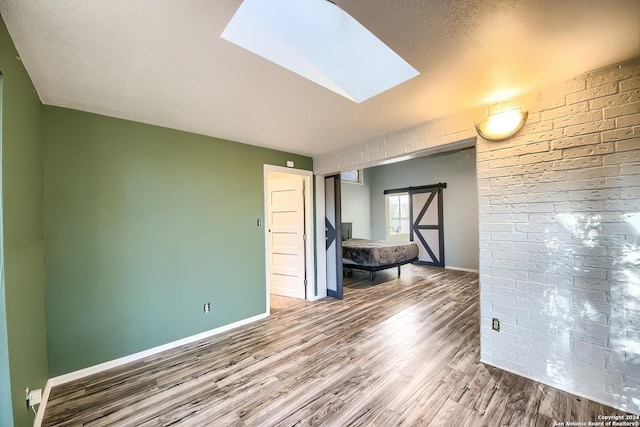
502,125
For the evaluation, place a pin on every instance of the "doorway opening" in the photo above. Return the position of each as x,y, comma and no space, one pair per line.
289,261
370,213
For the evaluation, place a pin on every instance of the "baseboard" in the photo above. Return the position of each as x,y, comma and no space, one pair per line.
72,376
545,382
469,270
37,422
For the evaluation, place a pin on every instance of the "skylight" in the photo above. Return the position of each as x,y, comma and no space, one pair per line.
319,41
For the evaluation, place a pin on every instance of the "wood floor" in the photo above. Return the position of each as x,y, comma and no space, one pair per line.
397,352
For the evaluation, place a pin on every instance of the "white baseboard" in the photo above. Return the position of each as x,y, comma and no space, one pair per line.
469,270
559,387
37,422
72,376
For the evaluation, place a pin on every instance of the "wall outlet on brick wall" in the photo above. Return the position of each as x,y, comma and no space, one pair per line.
495,324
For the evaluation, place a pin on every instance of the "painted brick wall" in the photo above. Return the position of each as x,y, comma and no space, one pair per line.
559,215
559,208
442,134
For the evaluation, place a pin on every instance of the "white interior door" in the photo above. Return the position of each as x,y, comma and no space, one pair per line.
286,220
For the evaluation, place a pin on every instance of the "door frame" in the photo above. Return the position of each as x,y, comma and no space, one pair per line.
308,228
337,210
321,251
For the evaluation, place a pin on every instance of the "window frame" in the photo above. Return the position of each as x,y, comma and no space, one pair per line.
399,195
359,180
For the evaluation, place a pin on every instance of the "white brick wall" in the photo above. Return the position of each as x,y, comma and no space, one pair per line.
576,261
432,136
559,215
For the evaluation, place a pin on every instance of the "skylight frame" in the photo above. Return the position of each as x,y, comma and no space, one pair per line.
319,41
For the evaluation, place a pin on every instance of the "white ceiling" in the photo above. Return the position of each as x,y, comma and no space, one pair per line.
163,62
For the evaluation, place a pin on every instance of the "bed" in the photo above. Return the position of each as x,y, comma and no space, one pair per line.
376,255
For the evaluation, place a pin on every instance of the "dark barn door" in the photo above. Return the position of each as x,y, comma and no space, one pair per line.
426,225
426,230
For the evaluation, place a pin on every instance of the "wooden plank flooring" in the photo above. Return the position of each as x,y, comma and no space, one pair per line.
400,351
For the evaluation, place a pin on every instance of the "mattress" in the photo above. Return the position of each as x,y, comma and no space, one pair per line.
375,253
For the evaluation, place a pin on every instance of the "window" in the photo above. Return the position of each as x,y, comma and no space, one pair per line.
398,224
354,177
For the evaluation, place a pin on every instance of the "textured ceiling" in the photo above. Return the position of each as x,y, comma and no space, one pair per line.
163,62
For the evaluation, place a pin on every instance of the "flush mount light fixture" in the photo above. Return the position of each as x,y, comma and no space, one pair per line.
321,42
502,125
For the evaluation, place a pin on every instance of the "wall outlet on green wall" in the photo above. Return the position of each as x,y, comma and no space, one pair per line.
34,397
207,307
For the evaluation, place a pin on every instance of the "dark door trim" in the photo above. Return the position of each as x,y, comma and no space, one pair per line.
336,236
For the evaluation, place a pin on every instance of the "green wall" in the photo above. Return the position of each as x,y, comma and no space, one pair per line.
6,414
143,225
22,195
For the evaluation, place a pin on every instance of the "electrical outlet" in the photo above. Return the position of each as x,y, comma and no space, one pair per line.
34,397
207,307
495,325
